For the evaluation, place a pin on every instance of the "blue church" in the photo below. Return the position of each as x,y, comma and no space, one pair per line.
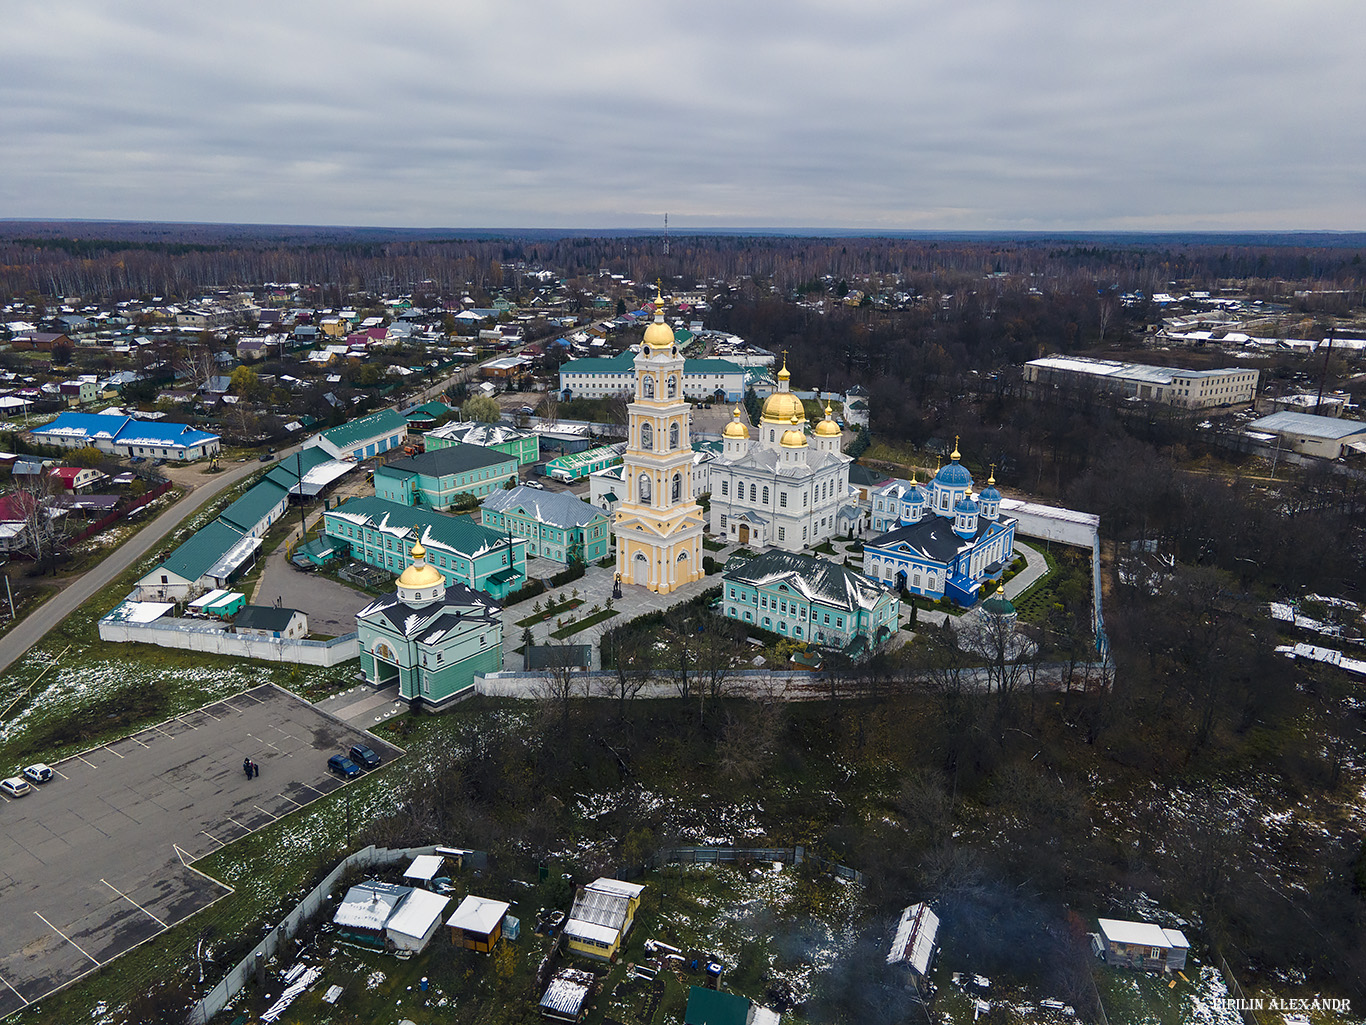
940,540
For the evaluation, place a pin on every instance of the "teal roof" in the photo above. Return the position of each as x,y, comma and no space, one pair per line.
714,1007
209,544
458,534
625,362
385,422
283,473
251,508
433,409
621,363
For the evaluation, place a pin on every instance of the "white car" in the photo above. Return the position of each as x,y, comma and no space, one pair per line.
14,787
37,773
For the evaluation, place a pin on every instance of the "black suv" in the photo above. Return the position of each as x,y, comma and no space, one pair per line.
364,757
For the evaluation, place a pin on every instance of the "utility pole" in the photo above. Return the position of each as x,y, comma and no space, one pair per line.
1323,380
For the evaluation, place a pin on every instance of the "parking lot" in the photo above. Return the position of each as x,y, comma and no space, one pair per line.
96,861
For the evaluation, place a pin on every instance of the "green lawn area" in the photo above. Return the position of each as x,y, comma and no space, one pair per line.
553,609
583,624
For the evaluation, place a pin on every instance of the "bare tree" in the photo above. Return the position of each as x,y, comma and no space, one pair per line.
196,362
45,527
625,650
560,684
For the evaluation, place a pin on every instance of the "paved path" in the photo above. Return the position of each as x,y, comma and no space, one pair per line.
35,626
363,707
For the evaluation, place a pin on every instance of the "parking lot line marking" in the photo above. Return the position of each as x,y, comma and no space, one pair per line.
213,838
113,752
291,800
236,823
264,812
210,715
59,772
181,718
320,793
65,937
13,990
87,761
135,904
134,739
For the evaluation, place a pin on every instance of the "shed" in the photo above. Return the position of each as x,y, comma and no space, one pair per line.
415,921
601,917
566,998
424,869
914,943
478,923
1142,945
219,602
365,910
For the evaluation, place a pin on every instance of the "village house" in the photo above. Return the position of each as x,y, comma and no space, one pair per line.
364,437
477,924
524,446
1141,945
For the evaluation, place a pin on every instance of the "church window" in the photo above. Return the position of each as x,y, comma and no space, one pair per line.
723,523
647,387
782,499
765,496
782,533
676,493
753,491
725,487
772,435
673,386
644,488
805,496
647,437
673,435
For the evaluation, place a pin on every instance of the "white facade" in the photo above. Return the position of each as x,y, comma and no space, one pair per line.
779,487
1173,386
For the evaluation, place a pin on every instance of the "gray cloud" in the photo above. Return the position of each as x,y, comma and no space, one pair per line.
986,114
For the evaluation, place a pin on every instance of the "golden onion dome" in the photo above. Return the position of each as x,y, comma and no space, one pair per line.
794,437
659,335
782,406
420,573
827,428
737,428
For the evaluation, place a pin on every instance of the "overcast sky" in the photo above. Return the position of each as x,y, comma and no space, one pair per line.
974,114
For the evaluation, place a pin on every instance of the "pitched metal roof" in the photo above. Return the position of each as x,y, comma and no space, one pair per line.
376,425
1309,425
815,579
209,544
457,534
457,458
932,538
249,510
556,508
263,617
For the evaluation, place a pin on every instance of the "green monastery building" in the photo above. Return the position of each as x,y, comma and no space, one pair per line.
810,599
435,479
556,524
430,637
381,534
524,446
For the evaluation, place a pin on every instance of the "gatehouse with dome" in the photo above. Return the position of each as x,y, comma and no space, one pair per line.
940,540
783,484
429,637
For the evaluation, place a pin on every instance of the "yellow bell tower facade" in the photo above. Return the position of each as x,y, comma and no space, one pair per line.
658,525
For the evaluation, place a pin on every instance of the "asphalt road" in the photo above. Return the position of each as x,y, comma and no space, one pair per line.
95,861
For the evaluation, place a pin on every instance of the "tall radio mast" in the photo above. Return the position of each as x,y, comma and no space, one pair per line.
666,234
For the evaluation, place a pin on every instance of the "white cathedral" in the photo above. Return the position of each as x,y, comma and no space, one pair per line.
781,489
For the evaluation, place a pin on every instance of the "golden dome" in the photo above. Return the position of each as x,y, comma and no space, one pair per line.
794,437
737,428
827,428
659,335
782,406
420,573
783,374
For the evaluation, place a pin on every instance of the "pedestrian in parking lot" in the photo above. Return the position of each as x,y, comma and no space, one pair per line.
255,769
246,767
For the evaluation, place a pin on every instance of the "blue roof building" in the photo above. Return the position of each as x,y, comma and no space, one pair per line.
126,435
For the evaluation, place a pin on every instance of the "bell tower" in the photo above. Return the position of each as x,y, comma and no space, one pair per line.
658,525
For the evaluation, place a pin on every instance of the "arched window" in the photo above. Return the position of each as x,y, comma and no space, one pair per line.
765,496
647,387
647,437
645,489
673,386
753,492
673,435
676,493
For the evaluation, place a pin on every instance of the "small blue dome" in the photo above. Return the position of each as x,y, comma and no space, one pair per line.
915,495
989,495
966,505
955,475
